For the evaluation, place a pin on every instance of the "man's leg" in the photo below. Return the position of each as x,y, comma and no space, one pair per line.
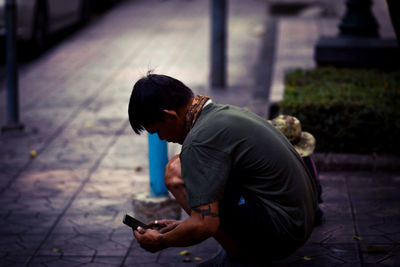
176,185
228,244
174,182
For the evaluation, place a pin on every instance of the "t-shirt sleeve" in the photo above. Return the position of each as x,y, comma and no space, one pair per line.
205,171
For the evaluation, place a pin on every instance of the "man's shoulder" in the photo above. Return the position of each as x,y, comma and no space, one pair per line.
224,125
212,120
225,114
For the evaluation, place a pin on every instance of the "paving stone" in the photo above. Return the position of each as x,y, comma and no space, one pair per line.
332,232
392,259
30,223
13,261
60,261
207,250
138,256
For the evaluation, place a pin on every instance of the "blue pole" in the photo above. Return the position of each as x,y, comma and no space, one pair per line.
12,72
218,43
158,159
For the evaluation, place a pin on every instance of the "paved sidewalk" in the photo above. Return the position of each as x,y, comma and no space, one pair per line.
67,181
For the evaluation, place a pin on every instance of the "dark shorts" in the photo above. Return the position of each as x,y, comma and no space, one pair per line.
250,225
310,164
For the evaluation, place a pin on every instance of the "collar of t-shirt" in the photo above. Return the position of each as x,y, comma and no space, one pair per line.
209,101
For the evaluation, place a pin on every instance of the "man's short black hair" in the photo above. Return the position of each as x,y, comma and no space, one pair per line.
151,95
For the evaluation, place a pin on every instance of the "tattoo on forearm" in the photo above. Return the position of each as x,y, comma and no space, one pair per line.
206,212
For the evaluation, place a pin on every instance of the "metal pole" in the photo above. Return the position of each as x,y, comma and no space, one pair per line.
158,159
358,20
394,11
218,43
12,70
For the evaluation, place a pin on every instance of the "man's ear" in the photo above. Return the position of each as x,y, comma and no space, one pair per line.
169,113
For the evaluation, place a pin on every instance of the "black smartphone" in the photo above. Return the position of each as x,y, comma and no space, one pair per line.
132,222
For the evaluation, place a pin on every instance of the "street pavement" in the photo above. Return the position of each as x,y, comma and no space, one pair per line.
68,179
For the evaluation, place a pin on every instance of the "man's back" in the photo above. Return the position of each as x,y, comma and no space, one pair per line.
231,145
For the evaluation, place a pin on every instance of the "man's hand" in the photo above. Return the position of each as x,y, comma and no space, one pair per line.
202,224
164,226
149,239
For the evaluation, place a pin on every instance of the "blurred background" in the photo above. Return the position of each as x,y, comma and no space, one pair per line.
70,164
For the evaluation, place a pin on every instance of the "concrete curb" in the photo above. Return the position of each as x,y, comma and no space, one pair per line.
367,162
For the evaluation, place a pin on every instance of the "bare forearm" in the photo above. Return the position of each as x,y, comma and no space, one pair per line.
188,233
202,224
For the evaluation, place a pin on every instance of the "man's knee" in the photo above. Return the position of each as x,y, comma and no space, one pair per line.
173,176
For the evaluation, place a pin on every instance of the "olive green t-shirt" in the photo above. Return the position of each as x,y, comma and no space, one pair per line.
228,142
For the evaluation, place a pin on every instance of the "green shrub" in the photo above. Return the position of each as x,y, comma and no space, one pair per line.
347,110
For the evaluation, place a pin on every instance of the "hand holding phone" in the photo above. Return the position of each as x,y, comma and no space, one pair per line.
134,223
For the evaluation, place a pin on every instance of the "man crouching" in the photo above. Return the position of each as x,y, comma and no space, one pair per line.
237,176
